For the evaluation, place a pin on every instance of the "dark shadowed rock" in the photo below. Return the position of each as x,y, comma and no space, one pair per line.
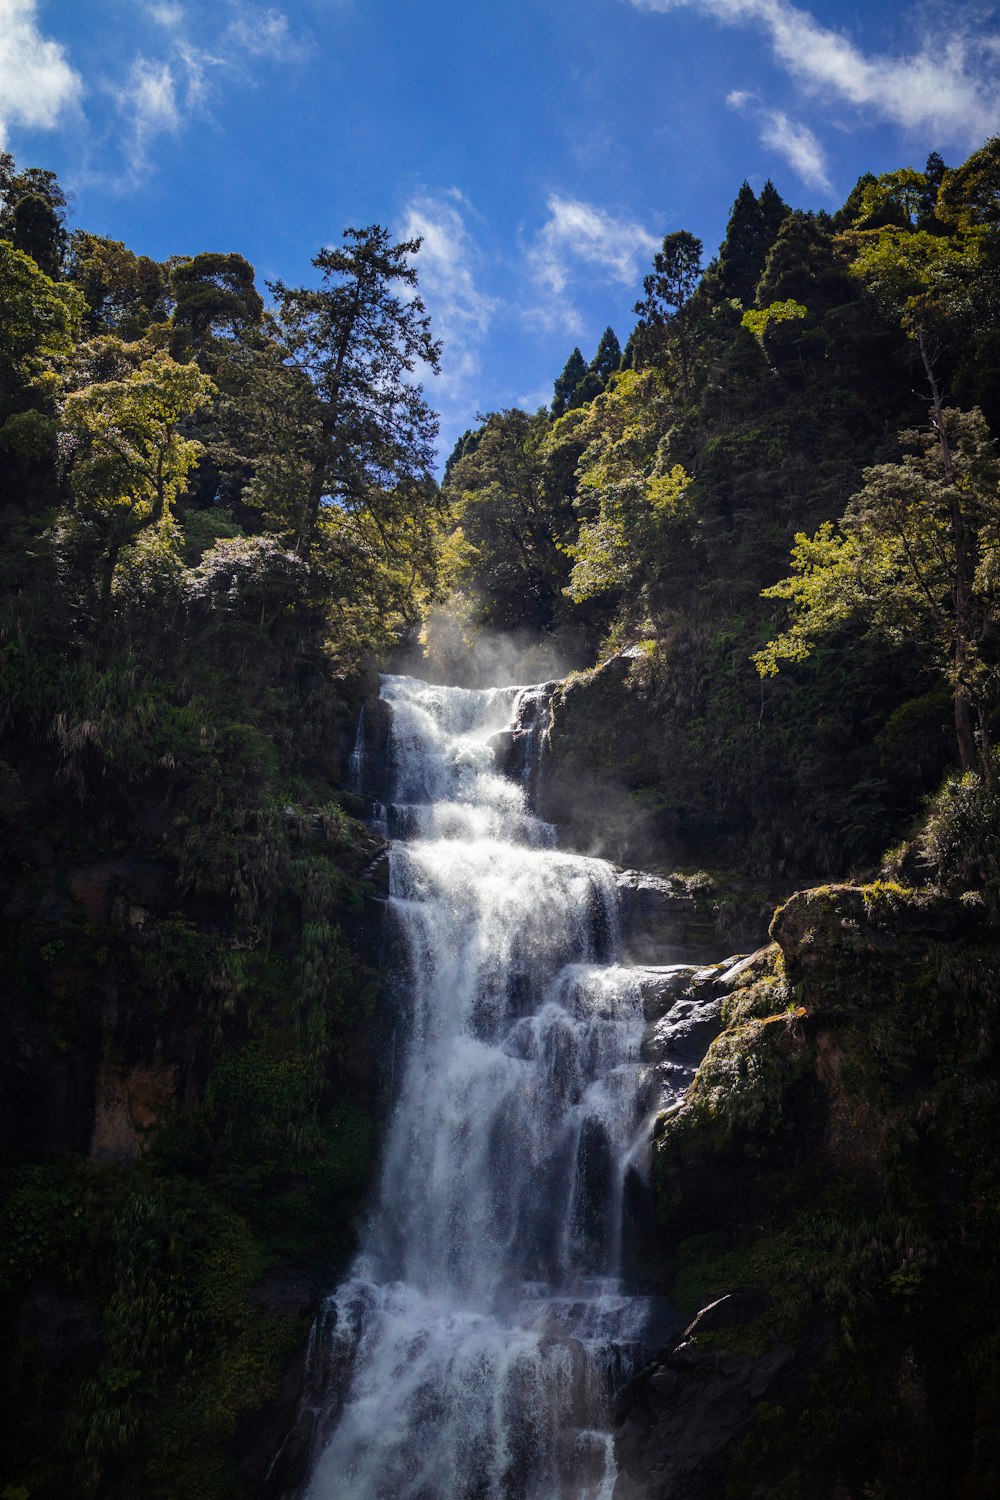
287,1292
859,921
369,763
682,1005
675,1419
662,919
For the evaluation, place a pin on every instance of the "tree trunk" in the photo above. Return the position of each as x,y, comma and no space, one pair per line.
970,756
964,733
107,579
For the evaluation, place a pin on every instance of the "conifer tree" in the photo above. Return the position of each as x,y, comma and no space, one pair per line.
608,357
567,384
358,340
752,230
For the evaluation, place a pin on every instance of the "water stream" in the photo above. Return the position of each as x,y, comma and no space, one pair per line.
473,1351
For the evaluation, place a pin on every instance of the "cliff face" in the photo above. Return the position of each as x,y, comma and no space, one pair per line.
827,1193
829,1197
188,1106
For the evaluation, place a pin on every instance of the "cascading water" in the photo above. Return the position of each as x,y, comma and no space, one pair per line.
475,1346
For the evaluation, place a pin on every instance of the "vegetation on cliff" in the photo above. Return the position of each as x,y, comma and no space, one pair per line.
214,518
825,391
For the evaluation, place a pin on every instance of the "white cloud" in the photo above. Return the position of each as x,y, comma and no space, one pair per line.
37,83
797,144
461,314
579,234
149,105
948,86
159,96
789,138
167,13
579,231
265,33
150,97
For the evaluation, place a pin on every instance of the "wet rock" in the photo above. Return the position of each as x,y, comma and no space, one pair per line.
370,757
272,1451
662,918
661,986
682,1005
674,1420
524,756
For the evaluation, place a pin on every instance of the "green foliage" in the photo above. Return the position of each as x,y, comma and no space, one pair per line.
214,291
758,320
961,837
39,324
513,526
125,293
915,562
753,225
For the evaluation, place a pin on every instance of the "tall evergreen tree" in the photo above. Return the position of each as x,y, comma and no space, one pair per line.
669,288
608,357
567,384
358,339
752,230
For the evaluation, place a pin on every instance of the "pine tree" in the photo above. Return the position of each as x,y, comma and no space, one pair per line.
358,339
608,357
566,385
752,230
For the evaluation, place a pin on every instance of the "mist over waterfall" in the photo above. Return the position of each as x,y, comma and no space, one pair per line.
473,1350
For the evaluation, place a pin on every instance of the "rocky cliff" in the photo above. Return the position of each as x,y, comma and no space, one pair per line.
188,1106
828,1198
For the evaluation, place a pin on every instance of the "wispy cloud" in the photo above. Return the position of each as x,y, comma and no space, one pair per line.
260,32
160,95
37,83
166,13
152,102
580,234
790,139
948,86
461,313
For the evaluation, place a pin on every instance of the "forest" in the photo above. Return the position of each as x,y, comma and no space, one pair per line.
756,540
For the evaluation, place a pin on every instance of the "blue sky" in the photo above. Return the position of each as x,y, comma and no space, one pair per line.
542,149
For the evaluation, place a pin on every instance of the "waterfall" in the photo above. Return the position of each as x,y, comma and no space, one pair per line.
473,1350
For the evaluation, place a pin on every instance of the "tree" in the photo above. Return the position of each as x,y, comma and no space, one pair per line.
568,383
752,229
803,265
358,338
914,275
125,293
513,529
608,357
133,457
214,291
917,559
35,229
32,208
669,288
632,512
39,324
